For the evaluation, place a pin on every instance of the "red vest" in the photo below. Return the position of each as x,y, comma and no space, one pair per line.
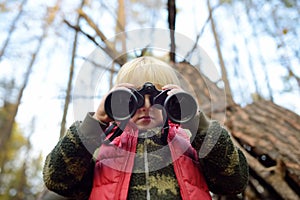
115,163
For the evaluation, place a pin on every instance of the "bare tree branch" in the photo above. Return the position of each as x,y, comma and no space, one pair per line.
109,47
113,55
188,55
12,28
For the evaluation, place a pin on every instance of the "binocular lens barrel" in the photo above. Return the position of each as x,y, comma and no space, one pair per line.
181,107
121,104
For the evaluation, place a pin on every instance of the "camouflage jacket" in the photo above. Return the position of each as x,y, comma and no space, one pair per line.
69,167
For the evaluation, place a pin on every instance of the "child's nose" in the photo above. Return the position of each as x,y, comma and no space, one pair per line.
147,103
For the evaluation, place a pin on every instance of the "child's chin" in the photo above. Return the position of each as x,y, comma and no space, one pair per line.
145,126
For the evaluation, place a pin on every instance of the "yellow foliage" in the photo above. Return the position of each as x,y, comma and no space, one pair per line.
285,31
14,143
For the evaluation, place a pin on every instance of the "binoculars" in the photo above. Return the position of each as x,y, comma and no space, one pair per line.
122,104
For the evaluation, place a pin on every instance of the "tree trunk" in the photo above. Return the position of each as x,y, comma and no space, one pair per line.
71,73
7,130
270,134
220,57
172,21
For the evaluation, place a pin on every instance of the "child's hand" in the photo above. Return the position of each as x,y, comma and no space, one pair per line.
100,114
173,89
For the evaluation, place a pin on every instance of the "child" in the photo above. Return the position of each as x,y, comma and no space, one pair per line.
139,163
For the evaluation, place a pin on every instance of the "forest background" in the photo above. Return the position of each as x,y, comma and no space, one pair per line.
44,44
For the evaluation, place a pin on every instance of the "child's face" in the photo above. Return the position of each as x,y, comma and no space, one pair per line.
147,116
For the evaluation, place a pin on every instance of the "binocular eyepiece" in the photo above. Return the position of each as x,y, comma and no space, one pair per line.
121,104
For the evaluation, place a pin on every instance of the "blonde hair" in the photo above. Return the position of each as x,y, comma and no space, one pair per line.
147,69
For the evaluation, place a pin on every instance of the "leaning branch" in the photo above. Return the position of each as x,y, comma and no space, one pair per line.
109,47
118,60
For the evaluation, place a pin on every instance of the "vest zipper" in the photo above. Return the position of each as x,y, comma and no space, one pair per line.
146,167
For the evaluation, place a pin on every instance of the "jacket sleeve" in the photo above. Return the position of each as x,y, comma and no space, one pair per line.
224,165
68,168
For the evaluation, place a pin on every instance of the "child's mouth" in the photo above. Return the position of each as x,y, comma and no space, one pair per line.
145,118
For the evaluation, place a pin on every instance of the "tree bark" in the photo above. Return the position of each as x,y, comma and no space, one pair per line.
268,135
